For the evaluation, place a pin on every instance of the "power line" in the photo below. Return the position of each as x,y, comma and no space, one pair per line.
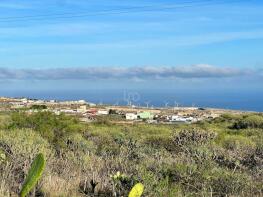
137,9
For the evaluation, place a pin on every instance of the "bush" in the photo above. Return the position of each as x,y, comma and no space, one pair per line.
25,142
231,117
225,183
101,120
251,121
238,143
51,127
193,137
20,146
159,141
38,107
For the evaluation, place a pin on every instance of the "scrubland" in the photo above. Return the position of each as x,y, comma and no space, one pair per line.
220,157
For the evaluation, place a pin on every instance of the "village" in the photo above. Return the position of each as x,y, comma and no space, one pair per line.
89,112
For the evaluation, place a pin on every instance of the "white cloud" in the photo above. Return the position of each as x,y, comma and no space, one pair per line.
130,73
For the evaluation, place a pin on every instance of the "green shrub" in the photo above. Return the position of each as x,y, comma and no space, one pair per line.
192,137
106,147
25,143
4,121
38,107
240,143
159,141
251,121
231,117
225,183
102,120
51,126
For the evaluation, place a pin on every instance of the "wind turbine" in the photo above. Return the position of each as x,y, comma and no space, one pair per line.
166,104
126,98
117,103
147,104
176,104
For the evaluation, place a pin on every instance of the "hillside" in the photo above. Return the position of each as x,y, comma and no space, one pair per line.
219,157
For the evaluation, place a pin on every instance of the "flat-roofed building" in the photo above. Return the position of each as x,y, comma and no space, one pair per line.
82,109
145,115
131,116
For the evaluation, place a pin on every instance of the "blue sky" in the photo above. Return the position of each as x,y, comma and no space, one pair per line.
77,43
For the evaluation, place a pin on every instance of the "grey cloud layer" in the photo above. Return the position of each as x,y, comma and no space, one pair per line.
149,72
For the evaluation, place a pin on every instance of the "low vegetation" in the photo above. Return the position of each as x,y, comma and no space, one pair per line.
220,157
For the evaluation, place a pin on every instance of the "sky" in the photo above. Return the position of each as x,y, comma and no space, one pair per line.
148,44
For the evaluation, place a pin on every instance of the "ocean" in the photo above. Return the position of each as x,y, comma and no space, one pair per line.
237,100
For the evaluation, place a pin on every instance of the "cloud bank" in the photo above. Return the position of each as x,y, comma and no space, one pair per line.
115,73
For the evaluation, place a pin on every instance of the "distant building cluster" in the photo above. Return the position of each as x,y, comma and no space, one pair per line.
89,111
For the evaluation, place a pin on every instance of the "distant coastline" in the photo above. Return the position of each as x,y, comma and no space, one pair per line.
124,106
92,112
243,101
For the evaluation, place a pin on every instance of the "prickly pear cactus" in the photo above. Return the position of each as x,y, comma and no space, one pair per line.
137,190
34,174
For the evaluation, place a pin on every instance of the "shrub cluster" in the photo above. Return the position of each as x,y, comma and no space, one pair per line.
50,126
251,121
103,159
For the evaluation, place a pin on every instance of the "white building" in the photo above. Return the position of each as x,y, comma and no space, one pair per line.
92,104
68,111
39,102
82,109
190,119
81,101
131,116
102,112
176,118
17,105
24,100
